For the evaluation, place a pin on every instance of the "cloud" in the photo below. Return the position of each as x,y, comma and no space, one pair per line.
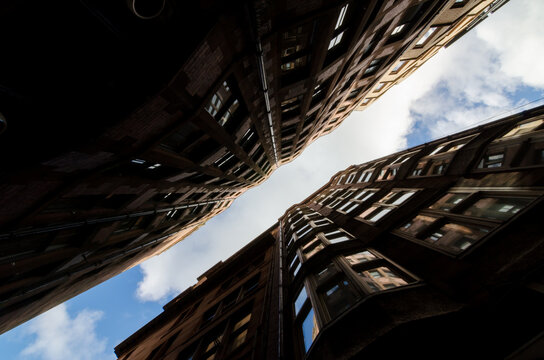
463,85
517,37
59,337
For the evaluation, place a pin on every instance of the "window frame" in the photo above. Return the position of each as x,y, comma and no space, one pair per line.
455,216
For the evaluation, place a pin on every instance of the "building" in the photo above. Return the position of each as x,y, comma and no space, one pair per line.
120,143
432,252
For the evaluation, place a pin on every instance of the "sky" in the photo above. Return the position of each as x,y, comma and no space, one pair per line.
493,71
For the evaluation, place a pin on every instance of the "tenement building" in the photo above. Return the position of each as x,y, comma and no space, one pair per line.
433,252
126,125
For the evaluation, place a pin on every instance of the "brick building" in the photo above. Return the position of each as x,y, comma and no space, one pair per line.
120,143
432,252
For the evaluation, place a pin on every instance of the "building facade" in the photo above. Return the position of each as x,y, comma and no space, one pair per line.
119,144
432,252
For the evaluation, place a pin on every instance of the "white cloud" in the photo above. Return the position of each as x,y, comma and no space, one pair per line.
462,85
59,337
517,36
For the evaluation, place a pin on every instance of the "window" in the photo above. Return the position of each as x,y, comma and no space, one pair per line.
360,257
438,167
328,271
366,175
437,162
251,284
441,226
373,66
358,198
491,161
350,179
310,329
291,50
300,300
387,204
304,231
239,330
341,16
376,273
321,222
312,248
457,237
337,236
297,63
499,208
381,278
226,161
290,104
209,315
340,198
398,29
348,207
420,169
338,296
379,86
227,115
335,40
212,344
449,201
459,3
292,34
218,99
426,36
398,66
525,127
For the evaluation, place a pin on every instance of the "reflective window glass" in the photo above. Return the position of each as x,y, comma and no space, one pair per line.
500,208
381,278
448,201
301,298
360,257
339,297
457,237
417,224
309,329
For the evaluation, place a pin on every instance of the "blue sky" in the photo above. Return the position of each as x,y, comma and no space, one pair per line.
488,74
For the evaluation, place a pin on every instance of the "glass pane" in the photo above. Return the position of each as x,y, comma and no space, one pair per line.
326,272
419,168
295,272
381,278
417,224
363,195
380,214
448,201
304,230
348,207
387,199
239,340
333,233
312,248
214,342
242,322
457,237
437,150
301,298
339,297
524,128
309,329
456,147
500,208
405,196
339,239
360,257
